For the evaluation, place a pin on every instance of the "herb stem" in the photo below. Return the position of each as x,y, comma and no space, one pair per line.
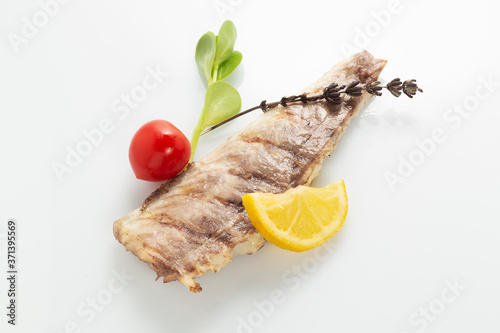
214,73
194,139
332,95
208,129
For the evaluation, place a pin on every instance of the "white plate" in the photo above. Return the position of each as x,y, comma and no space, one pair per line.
421,255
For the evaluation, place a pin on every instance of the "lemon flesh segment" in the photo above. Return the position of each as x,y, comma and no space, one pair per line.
300,218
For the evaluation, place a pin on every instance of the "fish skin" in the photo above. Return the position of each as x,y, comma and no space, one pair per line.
196,222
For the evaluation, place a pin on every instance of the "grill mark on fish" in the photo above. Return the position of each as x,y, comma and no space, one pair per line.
255,177
297,170
291,160
195,236
206,223
225,237
231,203
254,181
156,194
284,149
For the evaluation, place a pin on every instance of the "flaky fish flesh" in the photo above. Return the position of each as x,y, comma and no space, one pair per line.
195,222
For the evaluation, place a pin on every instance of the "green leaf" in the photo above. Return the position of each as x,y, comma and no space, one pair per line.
221,102
228,66
225,43
205,55
216,60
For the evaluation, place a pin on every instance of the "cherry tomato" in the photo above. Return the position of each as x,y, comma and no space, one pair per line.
158,151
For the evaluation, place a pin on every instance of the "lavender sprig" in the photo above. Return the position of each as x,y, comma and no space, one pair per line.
332,94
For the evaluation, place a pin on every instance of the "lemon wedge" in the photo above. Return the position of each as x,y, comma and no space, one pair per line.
301,218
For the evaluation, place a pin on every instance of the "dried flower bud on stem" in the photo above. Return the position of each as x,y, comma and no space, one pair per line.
332,94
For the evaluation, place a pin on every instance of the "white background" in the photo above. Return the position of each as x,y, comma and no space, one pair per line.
399,244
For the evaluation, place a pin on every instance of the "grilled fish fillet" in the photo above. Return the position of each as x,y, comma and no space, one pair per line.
195,222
